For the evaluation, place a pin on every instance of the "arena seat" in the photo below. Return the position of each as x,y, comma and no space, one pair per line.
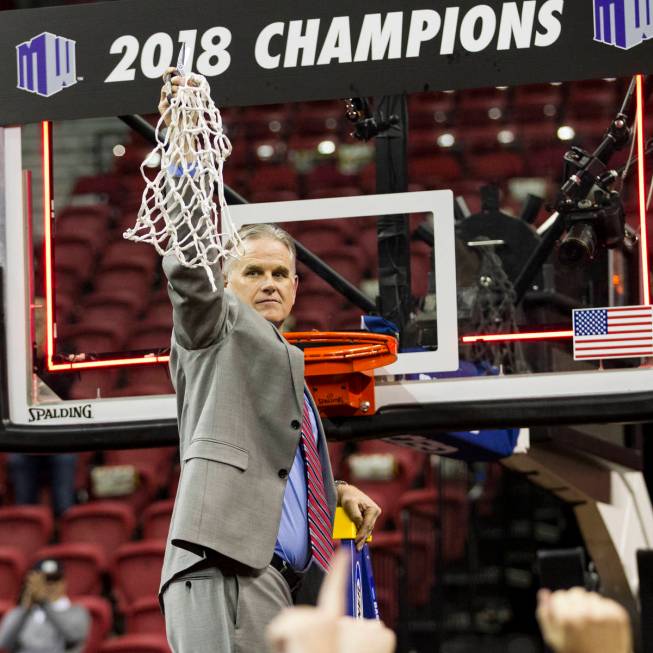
105,523
145,490
530,101
427,110
151,338
115,307
13,564
129,278
335,191
106,184
328,175
158,459
123,253
144,616
137,571
99,610
137,643
27,528
434,171
273,196
421,507
495,166
274,177
414,462
312,118
95,337
84,565
148,375
156,519
386,556
74,254
263,120
92,383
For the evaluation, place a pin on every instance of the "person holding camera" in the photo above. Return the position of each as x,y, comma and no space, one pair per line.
45,621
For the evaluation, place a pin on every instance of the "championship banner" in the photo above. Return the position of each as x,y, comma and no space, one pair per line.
107,59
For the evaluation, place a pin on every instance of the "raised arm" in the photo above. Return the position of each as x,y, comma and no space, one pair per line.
198,313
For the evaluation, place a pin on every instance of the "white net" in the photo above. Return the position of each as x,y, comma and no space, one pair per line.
178,211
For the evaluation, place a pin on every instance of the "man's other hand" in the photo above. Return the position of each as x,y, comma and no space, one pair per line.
360,509
324,629
577,621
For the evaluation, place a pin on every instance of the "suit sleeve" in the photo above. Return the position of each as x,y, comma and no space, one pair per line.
198,312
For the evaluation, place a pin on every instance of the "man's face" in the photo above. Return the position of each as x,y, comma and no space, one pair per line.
264,278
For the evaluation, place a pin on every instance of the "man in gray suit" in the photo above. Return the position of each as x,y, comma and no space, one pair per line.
256,485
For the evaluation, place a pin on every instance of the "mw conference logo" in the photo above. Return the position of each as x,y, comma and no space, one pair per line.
46,64
623,23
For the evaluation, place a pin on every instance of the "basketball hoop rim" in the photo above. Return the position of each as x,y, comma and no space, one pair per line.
333,352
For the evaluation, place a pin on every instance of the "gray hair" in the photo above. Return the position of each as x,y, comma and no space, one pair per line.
254,232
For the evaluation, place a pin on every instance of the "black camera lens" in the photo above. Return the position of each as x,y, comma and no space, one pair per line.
579,245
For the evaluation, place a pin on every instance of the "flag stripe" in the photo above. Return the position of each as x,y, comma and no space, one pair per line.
640,345
634,354
608,340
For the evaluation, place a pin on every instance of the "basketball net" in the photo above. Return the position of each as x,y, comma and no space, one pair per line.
178,211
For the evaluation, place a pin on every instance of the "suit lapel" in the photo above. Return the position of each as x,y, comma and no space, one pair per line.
296,362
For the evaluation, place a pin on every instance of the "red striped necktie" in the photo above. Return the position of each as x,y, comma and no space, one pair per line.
319,519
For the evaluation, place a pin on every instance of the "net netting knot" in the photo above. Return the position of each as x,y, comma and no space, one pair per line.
183,208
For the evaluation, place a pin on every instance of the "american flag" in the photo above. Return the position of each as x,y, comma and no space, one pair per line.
619,332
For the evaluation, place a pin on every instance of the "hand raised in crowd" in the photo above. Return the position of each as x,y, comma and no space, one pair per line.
324,629
577,621
36,590
360,509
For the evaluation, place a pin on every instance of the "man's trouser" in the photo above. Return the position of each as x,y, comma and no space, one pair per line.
214,609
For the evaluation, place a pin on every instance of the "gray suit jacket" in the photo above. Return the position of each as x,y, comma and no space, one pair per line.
239,388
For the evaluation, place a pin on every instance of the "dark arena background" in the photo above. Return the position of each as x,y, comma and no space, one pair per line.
494,160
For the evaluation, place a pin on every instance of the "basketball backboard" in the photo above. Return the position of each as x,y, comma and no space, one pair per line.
449,310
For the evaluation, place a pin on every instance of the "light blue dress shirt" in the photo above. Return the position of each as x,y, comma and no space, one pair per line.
292,541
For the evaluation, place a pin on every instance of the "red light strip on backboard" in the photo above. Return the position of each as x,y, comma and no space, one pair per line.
48,257
46,151
511,337
533,336
641,185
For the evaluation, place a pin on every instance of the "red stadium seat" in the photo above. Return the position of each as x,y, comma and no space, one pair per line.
13,565
148,375
496,166
273,196
159,460
101,621
146,488
111,307
386,555
74,254
145,616
123,253
137,571
263,120
105,523
100,185
434,171
84,565
430,109
319,118
274,177
93,383
27,528
336,456
156,520
136,644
